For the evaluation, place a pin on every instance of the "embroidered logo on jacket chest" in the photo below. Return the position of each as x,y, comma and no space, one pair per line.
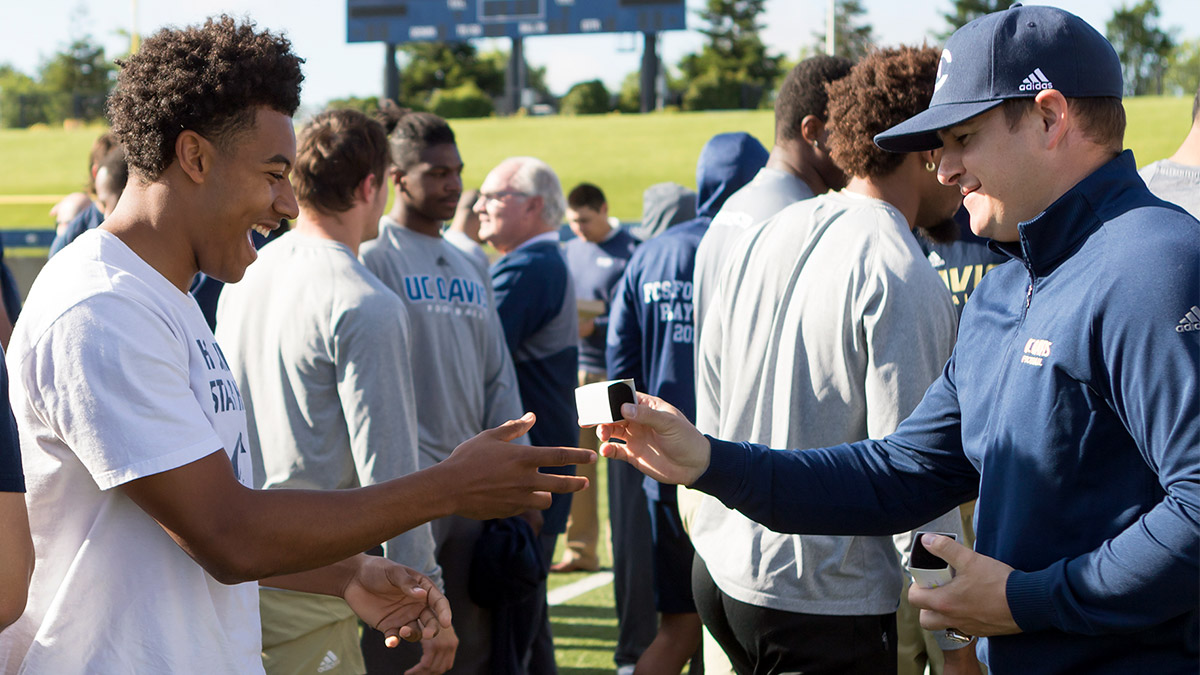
1036,352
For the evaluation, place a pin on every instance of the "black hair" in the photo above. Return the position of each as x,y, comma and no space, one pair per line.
410,133
208,79
586,194
803,93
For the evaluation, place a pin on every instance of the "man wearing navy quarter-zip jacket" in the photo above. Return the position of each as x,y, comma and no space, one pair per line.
1069,406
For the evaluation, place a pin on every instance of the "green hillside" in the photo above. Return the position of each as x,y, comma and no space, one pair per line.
623,154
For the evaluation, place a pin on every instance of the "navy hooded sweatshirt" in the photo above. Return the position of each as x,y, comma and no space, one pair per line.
650,323
1070,406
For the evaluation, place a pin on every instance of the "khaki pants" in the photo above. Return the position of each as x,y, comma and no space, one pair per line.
915,646
583,525
305,633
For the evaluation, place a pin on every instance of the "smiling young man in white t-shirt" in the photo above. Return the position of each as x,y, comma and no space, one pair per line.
134,434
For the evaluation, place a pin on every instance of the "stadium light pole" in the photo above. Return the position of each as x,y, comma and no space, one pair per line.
391,73
830,23
514,81
649,75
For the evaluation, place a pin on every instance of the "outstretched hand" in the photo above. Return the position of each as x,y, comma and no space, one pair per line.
974,602
658,440
437,654
396,600
494,478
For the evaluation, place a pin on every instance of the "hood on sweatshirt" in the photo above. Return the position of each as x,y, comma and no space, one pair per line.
727,162
664,205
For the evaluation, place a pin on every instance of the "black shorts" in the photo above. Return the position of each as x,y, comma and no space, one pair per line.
673,554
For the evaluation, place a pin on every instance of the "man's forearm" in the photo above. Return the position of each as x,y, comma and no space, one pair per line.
238,534
299,530
327,580
16,556
244,535
820,491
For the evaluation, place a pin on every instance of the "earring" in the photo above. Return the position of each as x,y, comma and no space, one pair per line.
816,145
930,167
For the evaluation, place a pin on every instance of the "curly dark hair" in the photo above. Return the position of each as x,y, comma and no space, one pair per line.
410,133
803,93
208,79
882,90
335,152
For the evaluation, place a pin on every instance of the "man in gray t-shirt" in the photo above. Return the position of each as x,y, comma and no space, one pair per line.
319,349
1177,178
799,167
460,362
827,326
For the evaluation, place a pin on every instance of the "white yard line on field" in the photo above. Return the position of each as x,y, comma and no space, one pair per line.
564,594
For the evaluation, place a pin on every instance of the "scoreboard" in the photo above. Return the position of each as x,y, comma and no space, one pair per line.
399,21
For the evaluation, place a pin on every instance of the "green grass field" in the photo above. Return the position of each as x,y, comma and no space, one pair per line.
623,154
585,628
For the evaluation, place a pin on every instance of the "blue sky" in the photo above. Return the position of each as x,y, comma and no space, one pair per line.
32,30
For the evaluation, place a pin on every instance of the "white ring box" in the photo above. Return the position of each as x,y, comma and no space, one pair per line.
928,570
600,402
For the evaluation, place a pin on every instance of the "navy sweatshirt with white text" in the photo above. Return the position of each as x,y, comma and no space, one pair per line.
650,323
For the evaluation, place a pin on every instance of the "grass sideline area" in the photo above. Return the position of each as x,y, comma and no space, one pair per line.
623,154
585,628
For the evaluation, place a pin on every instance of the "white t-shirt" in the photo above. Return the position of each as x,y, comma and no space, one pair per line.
116,376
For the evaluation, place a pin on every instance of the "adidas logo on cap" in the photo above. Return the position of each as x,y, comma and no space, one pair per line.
1190,321
1035,81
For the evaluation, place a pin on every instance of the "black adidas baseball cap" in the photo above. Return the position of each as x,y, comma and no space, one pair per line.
1013,53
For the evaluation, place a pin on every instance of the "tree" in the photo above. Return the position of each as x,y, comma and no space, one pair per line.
535,76
629,99
850,38
966,11
1142,46
465,100
368,106
1183,69
586,98
78,80
22,100
733,68
430,66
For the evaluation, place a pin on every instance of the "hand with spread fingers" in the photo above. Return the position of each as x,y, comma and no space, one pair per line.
491,477
396,600
974,602
658,440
